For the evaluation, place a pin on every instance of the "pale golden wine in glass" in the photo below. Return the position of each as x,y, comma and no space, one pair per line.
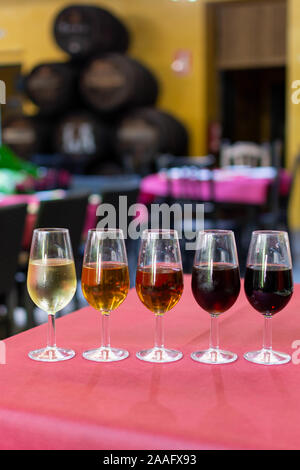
51,283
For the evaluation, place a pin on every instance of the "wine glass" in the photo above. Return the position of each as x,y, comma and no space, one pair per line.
159,285
215,286
105,284
268,287
51,283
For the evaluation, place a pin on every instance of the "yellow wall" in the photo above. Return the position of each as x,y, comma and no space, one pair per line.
293,110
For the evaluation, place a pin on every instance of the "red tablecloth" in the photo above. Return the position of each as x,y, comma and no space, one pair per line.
249,186
79,404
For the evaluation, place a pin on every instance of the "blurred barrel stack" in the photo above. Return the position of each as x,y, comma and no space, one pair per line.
97,110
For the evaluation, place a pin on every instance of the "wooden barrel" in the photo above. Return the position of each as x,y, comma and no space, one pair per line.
146,132
51,86
28,135
82,30
25,135
113,82
83,139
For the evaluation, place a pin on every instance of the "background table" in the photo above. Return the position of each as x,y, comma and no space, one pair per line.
240,185
79,404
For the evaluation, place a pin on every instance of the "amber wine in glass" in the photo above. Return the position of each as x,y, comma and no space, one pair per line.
105,284
105,288
51,284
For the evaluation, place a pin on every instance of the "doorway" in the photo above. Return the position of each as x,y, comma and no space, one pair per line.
246,69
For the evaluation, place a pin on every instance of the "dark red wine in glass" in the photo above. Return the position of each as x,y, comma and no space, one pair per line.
215,287
268,291
268,287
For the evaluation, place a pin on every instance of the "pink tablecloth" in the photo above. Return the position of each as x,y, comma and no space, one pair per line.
79,404
228,186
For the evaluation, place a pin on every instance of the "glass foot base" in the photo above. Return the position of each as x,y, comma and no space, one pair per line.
159,355
267,357
214,356
51,354
105,354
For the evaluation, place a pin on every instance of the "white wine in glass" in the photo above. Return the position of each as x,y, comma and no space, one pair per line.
51,284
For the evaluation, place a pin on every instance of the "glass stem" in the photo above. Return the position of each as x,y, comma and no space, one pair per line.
267,340
51,342
214,332
105,331
159,331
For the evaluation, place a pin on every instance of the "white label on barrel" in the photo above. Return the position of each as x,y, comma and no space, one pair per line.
18,136
2,92
78,140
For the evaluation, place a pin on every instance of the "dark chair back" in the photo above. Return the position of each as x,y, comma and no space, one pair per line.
69,212
12,222
113,199
131,245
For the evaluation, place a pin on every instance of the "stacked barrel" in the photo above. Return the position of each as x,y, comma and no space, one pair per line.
98,108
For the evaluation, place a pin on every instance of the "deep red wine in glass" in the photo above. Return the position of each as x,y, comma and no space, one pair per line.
268,291
215,287
268,287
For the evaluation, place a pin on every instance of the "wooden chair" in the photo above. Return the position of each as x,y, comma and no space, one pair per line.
245,154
